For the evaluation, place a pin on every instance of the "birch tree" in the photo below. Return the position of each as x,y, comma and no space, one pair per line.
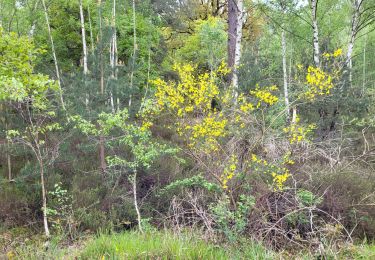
235,22
134,53
84,46
314,11
54,54
113,54
362,16
285,75
26,93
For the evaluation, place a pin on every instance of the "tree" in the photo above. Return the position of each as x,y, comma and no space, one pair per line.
137,139
53,53
235,22
26,92
314,17
206,46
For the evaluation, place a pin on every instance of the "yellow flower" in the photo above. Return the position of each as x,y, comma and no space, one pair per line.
10,255
229,171
337,53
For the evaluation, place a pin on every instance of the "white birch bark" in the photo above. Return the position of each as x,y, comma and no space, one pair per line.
54,55
353,33
237,55
285,75
364,67
134,182
91,33
84,43
84,46
134,53
44,196
113,54
314,9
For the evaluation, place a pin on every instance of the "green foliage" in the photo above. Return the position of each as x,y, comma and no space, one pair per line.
18,80
232,222
59,209
207,45
195,181
307,198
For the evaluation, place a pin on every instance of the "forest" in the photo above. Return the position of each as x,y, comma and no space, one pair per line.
187,129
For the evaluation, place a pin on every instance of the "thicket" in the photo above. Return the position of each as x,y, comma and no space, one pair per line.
144,126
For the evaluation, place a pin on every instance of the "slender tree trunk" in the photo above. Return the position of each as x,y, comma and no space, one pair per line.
101,49
54,54
91,34
232,27
235,21
314,10
134,53
285,75
364,67
113,54
84,46
294,115
9,161
44,193
134,180
103,165
238,52
353,33
9,164
84,43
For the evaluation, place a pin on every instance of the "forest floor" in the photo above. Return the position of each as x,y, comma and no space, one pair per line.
155,245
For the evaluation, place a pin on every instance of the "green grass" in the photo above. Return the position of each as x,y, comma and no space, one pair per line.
165,245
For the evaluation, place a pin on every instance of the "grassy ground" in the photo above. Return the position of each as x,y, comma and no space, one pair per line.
163,245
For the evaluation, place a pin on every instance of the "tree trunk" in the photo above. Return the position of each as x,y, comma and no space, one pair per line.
134,53
44,193
285,75
113,54
232,27
314,10
355,21
101,49
139,219
54,54
84,46
103,165
235,21
9,161
90,27
364,67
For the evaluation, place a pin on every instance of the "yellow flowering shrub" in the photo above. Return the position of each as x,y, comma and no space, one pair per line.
298,133
191,93
203,125
264,95
190,100
247,104
335,54
279,171
229,171
319,83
